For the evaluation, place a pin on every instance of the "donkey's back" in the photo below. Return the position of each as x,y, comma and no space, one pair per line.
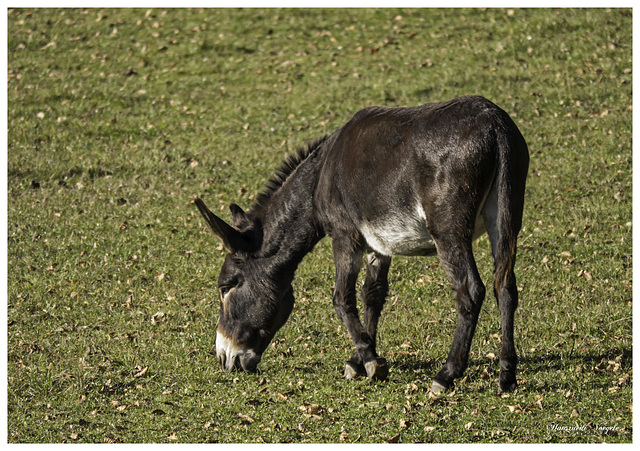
399,174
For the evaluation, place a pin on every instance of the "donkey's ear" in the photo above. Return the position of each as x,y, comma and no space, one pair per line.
231,238
238,216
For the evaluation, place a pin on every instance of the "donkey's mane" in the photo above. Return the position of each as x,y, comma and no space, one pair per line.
286,169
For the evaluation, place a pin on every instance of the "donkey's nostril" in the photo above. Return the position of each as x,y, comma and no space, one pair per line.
229,362
249,361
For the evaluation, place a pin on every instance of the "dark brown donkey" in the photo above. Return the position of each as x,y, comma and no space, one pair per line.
392,181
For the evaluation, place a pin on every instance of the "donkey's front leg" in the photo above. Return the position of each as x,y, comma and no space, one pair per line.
348,260
373,295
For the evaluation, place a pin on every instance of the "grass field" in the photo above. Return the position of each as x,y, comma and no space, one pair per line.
118,119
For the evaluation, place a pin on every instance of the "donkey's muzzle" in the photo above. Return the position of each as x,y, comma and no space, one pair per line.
230,356
247,362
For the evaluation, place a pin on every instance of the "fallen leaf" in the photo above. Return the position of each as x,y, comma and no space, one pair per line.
157,316
312,411
246,418
139,372
172,437
585,274
394,439
311,408
622,380
515,409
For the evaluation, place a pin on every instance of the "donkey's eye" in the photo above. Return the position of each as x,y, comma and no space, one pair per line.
227,286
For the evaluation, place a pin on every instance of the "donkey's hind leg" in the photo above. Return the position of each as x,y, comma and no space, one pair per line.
457,260
373,294
506,293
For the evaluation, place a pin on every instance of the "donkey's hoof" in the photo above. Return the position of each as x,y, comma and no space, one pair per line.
507,381
378,369
353,370
437,387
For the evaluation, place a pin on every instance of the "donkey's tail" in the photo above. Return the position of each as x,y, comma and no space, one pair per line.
513,164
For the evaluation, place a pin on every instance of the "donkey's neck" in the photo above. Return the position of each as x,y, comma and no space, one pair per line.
290,227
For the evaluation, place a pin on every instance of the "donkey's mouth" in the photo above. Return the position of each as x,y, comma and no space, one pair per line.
247,361
232,357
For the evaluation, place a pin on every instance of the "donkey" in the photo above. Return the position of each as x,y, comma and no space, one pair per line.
411,181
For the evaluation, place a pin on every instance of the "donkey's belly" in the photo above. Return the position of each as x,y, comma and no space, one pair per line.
402,234
405,234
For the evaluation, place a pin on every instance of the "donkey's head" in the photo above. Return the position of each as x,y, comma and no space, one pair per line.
255,298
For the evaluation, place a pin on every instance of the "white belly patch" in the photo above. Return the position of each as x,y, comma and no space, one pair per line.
404,234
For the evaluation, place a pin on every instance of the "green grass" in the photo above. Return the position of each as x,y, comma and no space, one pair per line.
118,119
